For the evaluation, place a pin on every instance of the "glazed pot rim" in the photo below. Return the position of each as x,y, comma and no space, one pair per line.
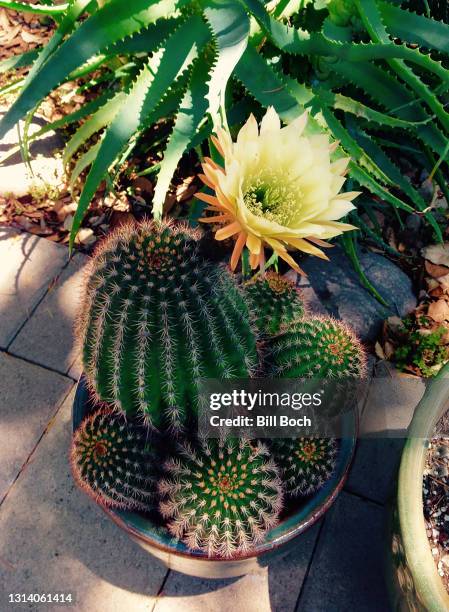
142,529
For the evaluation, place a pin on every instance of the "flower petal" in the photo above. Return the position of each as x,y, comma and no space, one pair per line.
270,121
238,248
228,231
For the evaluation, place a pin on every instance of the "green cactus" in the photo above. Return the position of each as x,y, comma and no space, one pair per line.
318,347
110,462
221,497
327,352
305,463
156,318
275,301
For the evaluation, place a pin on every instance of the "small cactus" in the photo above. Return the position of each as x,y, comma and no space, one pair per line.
318,347
110,462
305,463
156,318
221,497
274,300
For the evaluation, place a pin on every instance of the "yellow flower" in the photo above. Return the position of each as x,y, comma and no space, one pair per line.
278,188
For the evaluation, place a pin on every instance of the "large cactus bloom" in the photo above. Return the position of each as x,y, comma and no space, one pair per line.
278,189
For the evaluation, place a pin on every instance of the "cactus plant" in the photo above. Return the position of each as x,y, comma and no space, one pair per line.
318,347
275,300
305,463
110,462
328,352
222,496
156,318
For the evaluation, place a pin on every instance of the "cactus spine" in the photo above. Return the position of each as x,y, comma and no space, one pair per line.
110,462
305,463
221,497
275,300
156,318
317,347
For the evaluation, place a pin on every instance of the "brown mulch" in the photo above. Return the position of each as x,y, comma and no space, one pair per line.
21,32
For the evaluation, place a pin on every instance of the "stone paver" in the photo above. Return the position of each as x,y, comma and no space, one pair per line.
53,538
29,396
348,566
28,266
391,401
47,337
274,589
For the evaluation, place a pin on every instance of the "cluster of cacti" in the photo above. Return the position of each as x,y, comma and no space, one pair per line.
111,463
274,300
222,496
156,319
306,464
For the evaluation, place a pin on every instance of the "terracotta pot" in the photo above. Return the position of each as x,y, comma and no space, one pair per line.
157,541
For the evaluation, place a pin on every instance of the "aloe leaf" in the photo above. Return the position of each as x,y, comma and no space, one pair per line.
37,9
230,25
110,24
101,118
267,86
387,165
300,42
19,61
146,93
85,160
372,20
191,113
395,97
351,147
348,105
415,29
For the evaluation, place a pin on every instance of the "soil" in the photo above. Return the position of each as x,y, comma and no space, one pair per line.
436,498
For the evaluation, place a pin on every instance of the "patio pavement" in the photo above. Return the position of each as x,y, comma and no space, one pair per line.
53,539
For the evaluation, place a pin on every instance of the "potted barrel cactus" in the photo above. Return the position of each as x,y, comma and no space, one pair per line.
412,573
156,318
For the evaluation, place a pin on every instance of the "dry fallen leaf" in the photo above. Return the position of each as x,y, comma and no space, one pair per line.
437,253
439,311
444,282
436,270
379,351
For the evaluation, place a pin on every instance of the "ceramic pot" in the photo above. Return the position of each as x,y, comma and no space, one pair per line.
157,541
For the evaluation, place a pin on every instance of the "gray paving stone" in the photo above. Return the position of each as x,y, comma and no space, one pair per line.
29,396
47,337
347,568
274,589
389,408
53,538
28,266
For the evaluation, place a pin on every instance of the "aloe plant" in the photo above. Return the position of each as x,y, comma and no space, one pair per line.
174,58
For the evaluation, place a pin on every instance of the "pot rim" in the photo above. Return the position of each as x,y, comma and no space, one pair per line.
428,583
165,543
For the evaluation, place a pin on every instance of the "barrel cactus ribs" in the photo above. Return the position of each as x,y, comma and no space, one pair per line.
221,497
306,464
111,463
275,300
156,318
